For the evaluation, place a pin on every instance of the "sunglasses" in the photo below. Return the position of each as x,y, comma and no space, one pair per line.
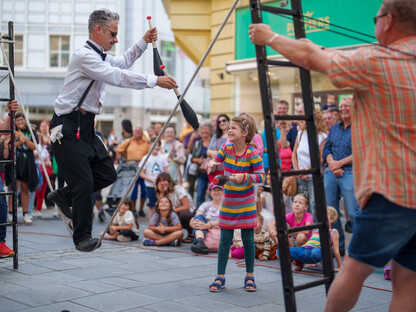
377,17
222,120
112,33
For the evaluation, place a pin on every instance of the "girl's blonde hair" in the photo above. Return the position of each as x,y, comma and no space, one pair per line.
246,124
304,197
320,124
332,214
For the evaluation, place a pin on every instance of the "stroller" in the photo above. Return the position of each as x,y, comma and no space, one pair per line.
125,174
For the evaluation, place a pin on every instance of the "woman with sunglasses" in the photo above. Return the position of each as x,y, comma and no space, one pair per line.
218,139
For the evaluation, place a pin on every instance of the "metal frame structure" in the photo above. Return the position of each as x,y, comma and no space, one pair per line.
9,40
277,174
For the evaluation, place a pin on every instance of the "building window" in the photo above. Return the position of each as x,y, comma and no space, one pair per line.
18,51
168,56
59,51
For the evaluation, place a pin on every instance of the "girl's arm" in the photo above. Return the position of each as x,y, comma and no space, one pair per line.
173,228
184,205
335,247
123,227
306,232
257,176
155,229
259,200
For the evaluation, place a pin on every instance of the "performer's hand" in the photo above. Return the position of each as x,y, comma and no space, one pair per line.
260,34
150,35
12,106
166,82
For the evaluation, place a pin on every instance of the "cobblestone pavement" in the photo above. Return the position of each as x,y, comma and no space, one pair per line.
53,276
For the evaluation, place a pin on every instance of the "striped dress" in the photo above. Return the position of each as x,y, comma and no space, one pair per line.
238,203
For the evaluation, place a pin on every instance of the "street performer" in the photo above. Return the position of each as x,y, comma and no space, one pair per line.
81,156
383,147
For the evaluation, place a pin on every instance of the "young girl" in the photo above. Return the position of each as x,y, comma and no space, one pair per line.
310,252
154,165
244,166
164,227
299,217
124,227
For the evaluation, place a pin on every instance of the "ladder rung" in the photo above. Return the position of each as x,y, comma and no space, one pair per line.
300,172
275,10
6,161
312,284
5,100
306,227
6,130
281,63
4,68
292,117
5,224
7,193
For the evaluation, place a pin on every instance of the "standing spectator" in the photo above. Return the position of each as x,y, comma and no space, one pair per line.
26,173
158,127
338,178
200,157
112,143
134,149
219,138
214,123
187,129
182,202
335,114
301,158
155,165
328,120
5,124
174,152
151,132
330,102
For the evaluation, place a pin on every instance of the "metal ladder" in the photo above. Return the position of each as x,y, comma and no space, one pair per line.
9,40
277,174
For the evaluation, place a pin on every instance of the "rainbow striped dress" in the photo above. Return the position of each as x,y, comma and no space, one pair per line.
238,203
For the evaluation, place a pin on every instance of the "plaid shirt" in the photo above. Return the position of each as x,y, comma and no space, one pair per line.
384,119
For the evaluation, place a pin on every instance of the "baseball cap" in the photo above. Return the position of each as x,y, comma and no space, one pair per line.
212,185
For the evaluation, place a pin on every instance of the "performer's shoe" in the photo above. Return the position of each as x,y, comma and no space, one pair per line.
88,245
56,198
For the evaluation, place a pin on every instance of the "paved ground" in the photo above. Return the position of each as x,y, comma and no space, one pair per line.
53,276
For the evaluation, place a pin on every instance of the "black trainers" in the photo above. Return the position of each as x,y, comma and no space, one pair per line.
199,247
88,245
348,226
56,198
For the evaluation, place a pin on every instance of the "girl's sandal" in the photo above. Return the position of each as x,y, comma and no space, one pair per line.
247,285
218,285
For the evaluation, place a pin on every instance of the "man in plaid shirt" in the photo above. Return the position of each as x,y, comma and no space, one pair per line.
383,143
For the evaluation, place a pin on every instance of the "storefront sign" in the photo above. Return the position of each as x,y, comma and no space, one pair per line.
354,14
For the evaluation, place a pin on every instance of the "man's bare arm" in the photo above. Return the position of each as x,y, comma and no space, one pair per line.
302,52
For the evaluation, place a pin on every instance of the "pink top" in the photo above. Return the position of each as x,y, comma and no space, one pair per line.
291,220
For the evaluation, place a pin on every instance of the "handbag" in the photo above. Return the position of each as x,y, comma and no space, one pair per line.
290,186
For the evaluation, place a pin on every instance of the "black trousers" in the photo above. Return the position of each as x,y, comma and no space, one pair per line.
85,166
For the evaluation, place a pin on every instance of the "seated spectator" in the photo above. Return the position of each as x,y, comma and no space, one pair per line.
182,203
299,217
124,227
206,220
164,227
310,252
263,243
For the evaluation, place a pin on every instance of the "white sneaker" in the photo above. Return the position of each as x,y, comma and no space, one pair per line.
9,218
38,214
27,219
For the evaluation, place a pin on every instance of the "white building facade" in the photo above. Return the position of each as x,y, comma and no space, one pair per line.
47,33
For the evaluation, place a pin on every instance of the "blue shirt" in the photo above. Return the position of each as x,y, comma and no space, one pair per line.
266,155
338,143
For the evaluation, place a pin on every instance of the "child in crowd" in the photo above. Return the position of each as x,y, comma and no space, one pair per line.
164,227
263,243
124,227
154,165
244,166
310,252
299,217
237,248
206,219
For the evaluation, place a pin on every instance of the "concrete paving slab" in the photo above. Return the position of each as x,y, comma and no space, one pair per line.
172,290
11,305
169,306
61,306
94,286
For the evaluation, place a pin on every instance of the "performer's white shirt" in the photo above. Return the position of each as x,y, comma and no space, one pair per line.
87,65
